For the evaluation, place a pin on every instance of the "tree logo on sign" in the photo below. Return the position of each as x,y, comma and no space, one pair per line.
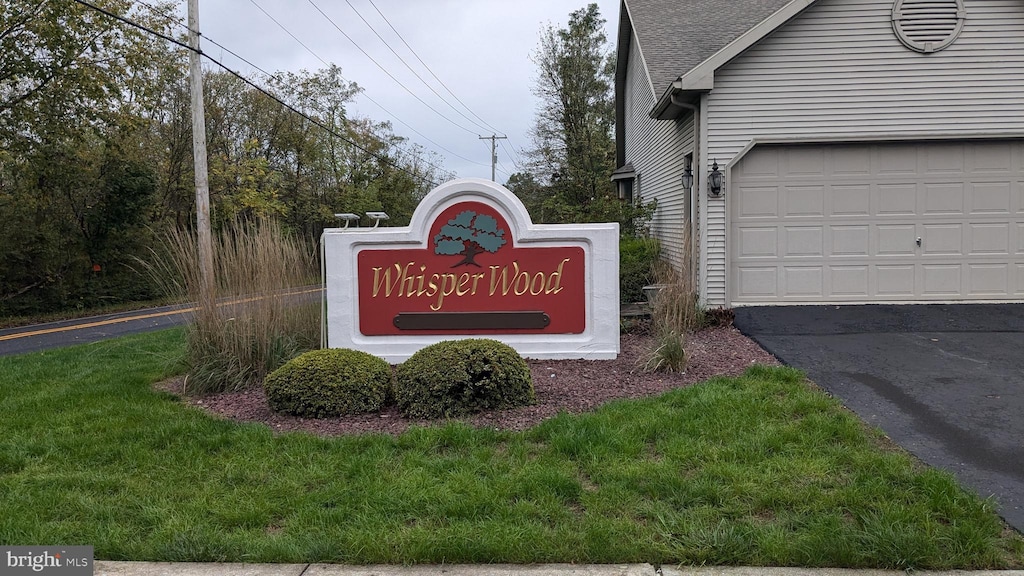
468,235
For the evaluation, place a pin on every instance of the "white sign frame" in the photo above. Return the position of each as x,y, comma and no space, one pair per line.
600,244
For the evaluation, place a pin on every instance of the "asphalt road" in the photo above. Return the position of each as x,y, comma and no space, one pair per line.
946,382
95,328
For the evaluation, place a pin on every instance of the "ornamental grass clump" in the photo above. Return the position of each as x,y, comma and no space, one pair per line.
461,377
676,312
332,382
256,323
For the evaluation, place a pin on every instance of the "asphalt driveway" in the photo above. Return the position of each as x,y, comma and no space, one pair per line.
946,382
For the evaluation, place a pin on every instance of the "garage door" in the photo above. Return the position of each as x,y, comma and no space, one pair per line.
900,222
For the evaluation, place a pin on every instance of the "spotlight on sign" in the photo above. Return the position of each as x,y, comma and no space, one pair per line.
348,217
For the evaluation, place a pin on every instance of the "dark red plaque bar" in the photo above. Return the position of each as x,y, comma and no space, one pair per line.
525,320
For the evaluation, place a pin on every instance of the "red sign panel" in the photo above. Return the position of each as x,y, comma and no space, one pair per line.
472,280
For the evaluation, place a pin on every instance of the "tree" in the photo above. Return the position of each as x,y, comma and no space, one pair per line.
528,189
572,135
64,67
76,90
468,235
96,151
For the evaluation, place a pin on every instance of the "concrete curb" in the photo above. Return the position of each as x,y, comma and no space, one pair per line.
106,568
765,571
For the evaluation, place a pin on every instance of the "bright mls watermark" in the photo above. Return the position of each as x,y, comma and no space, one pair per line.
55,560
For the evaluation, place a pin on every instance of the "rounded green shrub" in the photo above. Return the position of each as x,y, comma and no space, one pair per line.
329,382
460,377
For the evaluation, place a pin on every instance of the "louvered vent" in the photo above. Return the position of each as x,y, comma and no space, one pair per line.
928,25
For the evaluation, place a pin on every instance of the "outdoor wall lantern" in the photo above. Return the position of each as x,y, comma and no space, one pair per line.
715,180
687,178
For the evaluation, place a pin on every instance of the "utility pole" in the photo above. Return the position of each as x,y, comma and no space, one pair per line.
494,152
205,248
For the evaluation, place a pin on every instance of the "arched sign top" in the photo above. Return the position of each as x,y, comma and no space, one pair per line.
501,200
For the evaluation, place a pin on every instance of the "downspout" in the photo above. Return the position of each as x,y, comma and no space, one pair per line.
697,178
702,243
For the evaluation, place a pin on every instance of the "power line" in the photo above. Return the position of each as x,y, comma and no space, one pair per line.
436,77
414,73
364,94
383,69
513,158
255,86
513,155
325,63
441,82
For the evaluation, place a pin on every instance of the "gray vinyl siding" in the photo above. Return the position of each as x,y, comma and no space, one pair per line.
838,72
657,151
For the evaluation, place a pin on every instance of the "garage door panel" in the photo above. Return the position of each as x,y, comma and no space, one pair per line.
990,198
988,280
803,161
988,158
851,161
942,239
895,281
988,239
758,282
851,240
804,201
944,160
897,239
941,280
896,160
764,165
759,242
850,199
803,241
897,199
943,199
803,281
850,281
759,201
842,223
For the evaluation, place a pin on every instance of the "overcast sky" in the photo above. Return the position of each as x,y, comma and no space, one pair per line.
480,49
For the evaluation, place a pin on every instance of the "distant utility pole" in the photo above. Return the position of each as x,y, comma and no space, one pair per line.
494,152
205,248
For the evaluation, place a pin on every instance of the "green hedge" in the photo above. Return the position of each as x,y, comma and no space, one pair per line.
331,382
460,377
636,260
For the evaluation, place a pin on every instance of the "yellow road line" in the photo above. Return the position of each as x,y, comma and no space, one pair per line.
139,317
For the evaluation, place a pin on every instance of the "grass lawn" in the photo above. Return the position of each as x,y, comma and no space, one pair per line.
759,470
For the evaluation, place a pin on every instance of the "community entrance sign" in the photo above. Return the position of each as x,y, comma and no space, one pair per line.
471,264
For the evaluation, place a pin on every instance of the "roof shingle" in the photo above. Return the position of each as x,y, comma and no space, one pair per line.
677,35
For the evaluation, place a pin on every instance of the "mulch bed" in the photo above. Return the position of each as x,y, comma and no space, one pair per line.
572,386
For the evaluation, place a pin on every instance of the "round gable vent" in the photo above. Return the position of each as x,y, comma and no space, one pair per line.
928,25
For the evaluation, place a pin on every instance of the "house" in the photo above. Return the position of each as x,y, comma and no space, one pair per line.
868,150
